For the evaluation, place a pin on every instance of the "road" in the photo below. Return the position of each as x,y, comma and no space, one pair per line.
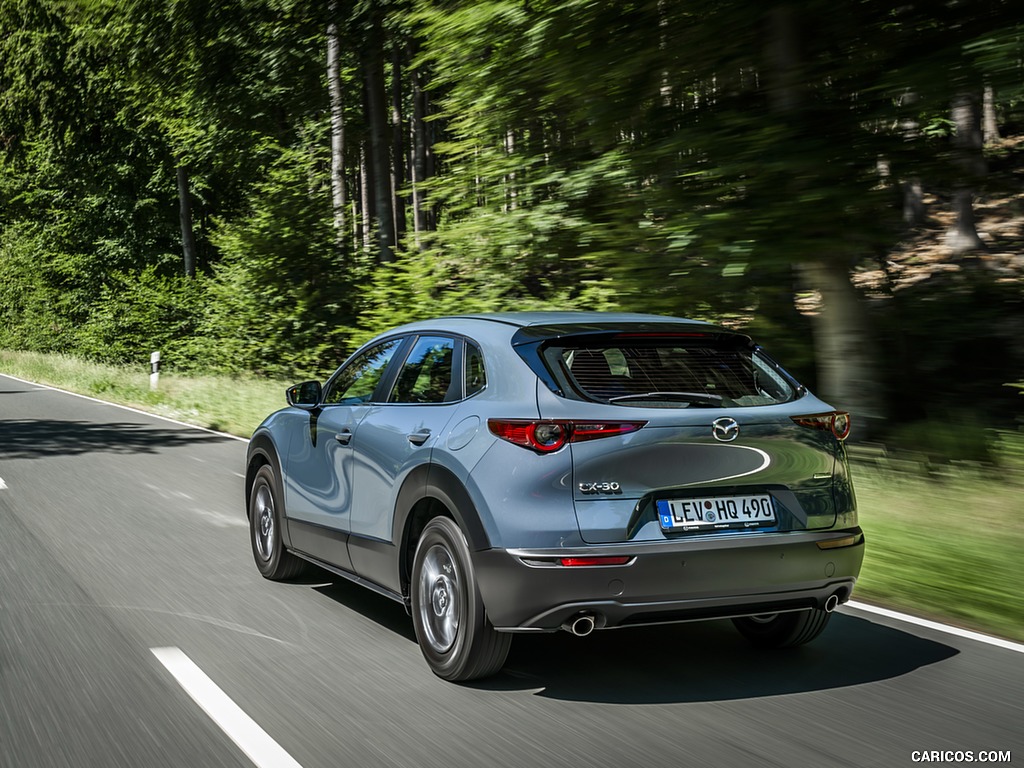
121,533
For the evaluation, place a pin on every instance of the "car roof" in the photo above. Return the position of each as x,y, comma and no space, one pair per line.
523,319
516,320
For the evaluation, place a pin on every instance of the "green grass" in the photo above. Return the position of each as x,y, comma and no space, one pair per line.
947,546
230,404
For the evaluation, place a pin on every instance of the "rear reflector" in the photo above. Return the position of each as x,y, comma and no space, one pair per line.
846,541
838,422
546,436
576,562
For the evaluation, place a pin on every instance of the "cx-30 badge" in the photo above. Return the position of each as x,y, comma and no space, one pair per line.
725,429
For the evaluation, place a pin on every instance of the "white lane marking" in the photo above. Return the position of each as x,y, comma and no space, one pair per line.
127,408
221,520
934,625
240,728
3,485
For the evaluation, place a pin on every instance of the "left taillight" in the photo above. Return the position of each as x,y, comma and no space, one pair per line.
547,436
838,422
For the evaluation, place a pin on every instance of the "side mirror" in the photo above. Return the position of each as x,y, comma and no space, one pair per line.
305,395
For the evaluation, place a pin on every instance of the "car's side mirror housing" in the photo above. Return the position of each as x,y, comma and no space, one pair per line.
305,395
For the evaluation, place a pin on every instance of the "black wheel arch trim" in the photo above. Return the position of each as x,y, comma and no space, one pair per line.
430,481
262,445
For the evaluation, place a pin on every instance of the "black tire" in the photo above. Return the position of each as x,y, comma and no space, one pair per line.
456,637
783,630
265,516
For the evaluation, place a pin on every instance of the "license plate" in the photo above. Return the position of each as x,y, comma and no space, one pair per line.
715,513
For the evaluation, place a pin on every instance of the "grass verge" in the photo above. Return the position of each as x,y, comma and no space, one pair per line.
232,404
946,546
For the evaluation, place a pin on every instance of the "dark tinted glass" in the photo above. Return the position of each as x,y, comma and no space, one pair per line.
666,373
358,380
426,376
476,376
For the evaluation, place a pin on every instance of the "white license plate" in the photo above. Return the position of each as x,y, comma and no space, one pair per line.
714,513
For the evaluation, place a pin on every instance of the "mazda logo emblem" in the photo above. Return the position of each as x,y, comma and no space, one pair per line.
725,429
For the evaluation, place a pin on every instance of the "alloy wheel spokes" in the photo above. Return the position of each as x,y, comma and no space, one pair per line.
439,604
263,519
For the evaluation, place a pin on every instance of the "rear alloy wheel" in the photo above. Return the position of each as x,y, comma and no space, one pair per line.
782,630
265,516
456,637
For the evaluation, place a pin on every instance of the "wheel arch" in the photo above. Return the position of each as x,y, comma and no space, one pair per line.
428,492
262,451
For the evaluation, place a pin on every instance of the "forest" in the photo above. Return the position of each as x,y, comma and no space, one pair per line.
257,186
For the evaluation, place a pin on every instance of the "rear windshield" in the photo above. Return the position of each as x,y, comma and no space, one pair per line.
665,373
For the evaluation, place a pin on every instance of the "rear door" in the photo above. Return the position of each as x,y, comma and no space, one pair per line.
319,464
398,434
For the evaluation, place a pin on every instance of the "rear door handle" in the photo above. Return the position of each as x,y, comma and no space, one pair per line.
419,438
344,436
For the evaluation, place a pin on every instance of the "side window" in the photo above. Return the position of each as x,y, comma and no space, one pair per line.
426,376
476,376
358,380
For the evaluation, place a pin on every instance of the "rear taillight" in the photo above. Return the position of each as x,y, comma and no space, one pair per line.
836,421
546,436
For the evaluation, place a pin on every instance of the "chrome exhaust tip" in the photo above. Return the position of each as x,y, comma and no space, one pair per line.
832,603
581,625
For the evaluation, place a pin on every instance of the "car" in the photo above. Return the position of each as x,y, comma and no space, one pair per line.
541,471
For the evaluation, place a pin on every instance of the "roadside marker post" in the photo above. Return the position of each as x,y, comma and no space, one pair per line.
154,370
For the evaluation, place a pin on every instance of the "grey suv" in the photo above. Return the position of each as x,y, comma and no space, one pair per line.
530,472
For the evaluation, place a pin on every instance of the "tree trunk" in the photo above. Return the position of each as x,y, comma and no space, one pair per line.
397,144
967,153
188,238
847,369
418,167
847,372
337,131
915,213
365,199
991,125
377,122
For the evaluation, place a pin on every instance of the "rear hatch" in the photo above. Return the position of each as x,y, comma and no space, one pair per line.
716,438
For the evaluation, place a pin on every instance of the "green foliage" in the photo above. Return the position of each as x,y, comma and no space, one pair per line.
35,312
282,299
137,314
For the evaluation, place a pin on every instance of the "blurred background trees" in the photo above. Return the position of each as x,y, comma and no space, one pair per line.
258,185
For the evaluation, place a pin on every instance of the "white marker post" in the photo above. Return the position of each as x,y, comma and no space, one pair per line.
154,370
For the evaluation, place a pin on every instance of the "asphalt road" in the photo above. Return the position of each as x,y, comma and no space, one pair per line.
121,533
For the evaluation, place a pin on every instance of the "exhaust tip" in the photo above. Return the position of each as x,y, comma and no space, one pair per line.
832,603
581,625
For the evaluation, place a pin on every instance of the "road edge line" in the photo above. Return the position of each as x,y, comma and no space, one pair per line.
245,732
948,629
126,408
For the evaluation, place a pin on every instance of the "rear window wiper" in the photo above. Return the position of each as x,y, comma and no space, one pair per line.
694,398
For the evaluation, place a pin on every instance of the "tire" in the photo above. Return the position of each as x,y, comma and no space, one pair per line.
265,516
782,630
456,637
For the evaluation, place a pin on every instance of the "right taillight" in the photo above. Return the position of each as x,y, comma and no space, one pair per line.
838,422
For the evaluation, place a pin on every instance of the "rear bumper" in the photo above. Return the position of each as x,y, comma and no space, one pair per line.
682,580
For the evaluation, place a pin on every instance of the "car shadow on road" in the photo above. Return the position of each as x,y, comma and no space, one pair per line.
708,661
47,438
388,613
678,663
